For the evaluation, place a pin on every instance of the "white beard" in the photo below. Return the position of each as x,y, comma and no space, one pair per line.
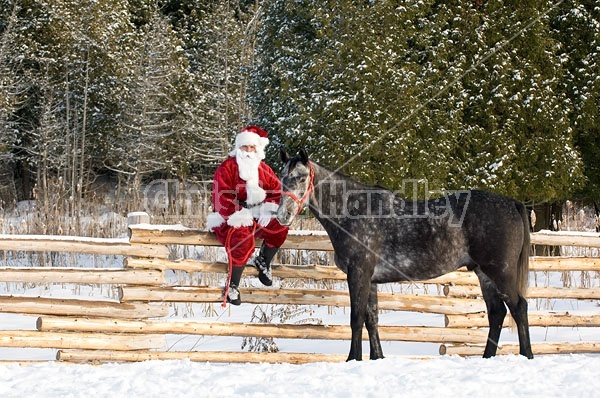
248,163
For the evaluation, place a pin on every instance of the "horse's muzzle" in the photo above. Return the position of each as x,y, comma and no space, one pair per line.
284,215
284,219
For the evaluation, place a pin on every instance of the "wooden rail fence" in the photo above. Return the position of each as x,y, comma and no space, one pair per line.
133,325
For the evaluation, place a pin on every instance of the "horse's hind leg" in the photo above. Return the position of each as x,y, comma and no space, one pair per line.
496,294
496,312
372,322
518,311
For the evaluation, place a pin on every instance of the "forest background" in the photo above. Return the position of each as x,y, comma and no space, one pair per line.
105,101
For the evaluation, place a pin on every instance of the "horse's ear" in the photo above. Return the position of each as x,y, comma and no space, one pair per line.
303,156
284,155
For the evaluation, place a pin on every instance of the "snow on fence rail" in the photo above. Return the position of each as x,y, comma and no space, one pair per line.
133,325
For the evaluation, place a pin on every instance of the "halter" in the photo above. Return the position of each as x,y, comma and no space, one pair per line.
300,202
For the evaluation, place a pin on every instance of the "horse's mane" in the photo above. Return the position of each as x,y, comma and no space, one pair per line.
347,178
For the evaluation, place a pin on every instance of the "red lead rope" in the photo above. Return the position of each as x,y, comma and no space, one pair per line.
300,203
228,250
230,261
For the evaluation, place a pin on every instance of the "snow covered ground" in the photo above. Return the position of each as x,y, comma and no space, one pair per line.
395,376
409,369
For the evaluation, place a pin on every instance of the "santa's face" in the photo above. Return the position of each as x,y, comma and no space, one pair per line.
248,148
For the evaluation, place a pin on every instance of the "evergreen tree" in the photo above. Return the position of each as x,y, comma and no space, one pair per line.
330,78
496,95
457,94
576,25
71,52
11,85
150,106
217,39
523,143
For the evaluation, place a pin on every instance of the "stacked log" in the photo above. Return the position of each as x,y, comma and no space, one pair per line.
133,327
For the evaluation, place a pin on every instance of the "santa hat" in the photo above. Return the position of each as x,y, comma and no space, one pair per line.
252,135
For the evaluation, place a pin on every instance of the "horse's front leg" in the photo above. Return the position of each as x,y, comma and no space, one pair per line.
372,324
359,288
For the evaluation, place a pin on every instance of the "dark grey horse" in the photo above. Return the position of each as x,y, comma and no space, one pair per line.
380,237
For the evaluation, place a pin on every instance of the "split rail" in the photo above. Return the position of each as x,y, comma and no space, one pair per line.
133,325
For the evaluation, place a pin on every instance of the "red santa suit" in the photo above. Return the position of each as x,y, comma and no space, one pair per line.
245,198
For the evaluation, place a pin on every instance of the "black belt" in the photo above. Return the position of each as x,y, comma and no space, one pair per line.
246,205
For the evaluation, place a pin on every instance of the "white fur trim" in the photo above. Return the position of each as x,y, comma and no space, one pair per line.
241,218
214,220
247,138
264,141
261,143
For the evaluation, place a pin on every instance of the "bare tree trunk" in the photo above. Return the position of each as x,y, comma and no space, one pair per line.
66,177
80,183
73,189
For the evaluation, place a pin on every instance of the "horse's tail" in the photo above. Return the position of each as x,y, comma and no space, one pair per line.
523,265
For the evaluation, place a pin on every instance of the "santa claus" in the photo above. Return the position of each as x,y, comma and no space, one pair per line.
245,198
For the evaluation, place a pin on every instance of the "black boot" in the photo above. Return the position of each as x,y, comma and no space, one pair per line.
233,295
263,264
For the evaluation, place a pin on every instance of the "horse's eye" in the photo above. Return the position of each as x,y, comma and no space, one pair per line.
295,180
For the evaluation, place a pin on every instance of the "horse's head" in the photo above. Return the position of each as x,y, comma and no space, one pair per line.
296,185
